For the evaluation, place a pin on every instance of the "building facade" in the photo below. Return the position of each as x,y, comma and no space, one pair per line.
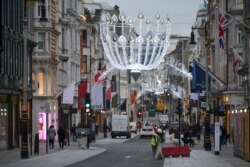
56,64
12,49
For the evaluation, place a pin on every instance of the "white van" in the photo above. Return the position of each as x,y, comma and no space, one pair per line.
120,126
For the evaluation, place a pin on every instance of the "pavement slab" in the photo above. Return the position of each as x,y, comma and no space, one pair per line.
198,158
57,159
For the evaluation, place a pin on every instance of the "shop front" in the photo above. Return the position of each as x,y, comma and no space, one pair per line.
9,121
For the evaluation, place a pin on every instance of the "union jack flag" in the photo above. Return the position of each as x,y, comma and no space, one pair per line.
223,26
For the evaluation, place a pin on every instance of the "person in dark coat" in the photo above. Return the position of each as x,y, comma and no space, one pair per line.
51,135
61,136
105,128
73,132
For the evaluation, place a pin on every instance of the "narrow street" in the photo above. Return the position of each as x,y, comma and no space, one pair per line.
134,151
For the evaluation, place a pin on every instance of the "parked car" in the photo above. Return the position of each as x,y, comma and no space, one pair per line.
133,127
146,131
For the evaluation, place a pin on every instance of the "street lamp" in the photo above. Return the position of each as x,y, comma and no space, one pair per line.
207,141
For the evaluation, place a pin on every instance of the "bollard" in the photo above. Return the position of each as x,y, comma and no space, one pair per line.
36,144
88,138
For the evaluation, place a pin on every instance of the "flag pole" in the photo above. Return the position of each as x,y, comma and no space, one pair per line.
234,18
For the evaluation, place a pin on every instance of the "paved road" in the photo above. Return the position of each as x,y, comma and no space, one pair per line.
119,153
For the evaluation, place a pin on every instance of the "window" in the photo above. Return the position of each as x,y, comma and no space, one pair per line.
239,35
33,81
83,64
76,5
40,78
63,39
238,4
41,41
84,37
39,9
63,8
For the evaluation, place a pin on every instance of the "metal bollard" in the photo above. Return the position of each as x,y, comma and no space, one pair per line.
36,144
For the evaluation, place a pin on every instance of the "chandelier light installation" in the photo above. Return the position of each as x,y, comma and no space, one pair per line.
162,78
134,45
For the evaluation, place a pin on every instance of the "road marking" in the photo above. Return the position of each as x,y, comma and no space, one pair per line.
127,157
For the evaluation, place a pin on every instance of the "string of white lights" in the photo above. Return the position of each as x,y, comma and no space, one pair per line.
177,68
125,48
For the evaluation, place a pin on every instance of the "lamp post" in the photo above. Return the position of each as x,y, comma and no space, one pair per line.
24,115
207,141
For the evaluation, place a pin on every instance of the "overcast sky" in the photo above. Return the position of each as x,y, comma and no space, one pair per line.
182,12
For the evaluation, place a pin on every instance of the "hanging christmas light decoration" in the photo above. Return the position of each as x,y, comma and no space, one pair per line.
164,77
134,45
175,67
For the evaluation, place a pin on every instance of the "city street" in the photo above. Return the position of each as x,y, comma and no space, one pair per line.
171,78
134,151
120,152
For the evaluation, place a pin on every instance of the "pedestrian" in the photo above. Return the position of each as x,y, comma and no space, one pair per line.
105,129
51,135
66,139
110,127
61,136
96,129
73,132
212,133
154,143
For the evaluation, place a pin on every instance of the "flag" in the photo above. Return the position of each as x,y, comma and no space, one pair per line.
199,77
223,25
97,96
235,58
96,77
99,74
108,94
82,90
235,63
68,94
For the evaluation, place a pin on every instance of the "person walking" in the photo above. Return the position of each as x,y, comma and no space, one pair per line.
73,132
61,136
154,143
51,135
105,129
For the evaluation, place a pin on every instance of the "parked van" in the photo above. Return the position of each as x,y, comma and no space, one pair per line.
120,126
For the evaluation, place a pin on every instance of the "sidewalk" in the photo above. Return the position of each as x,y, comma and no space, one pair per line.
55,157
201,158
